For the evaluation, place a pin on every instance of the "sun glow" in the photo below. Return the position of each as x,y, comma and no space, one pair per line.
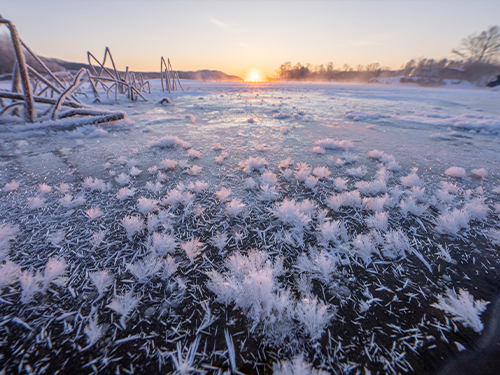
255,75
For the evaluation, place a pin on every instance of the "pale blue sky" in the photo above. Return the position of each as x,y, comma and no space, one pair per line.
234,36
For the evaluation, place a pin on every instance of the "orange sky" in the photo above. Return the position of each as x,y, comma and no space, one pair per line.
234,36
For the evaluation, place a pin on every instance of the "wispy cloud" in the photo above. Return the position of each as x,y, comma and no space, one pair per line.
223,25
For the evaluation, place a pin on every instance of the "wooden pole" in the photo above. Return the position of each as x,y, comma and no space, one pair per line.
37,99
66,93
29,104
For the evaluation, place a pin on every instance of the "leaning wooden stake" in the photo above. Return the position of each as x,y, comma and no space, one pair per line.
29,104
65,94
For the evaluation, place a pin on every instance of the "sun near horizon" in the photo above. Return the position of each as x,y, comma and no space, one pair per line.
255,75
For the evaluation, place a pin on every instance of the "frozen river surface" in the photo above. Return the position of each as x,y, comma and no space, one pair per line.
254,228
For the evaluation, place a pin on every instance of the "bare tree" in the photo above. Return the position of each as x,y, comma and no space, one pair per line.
483,47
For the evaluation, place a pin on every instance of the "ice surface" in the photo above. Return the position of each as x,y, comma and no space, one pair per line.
187,219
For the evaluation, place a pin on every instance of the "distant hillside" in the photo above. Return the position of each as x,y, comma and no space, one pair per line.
200,75
57,65
7,58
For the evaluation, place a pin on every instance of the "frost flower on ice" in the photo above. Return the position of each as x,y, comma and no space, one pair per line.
63,188
296,366
122,179
450,222
125,193
318,150
69,202
234,208
146,205
480,172
169,267
8,232
194,170
373,187
332,232
192,248
168,141
331,144
253,164
217,146
154,187
124,305
9,273
57,237
250,183
250,283
287,174
223,194
396,244
54,271
11,186
268,178
193,154
340,184
163,244
457,172
463,308
30,285
168,164
133,225
35,203
93,331
349,158
357,172
198,186
297,214
378,221
220,159
145,269
314,316
311,182
173,198
94,213
302,172
321,172
102,280
364,247
219,240
409,205
44,188
134,171
94,184
477,209
317,265
284,164
412,179
376,154
345,199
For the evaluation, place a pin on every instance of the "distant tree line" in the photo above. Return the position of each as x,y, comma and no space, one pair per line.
477,61
307,72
